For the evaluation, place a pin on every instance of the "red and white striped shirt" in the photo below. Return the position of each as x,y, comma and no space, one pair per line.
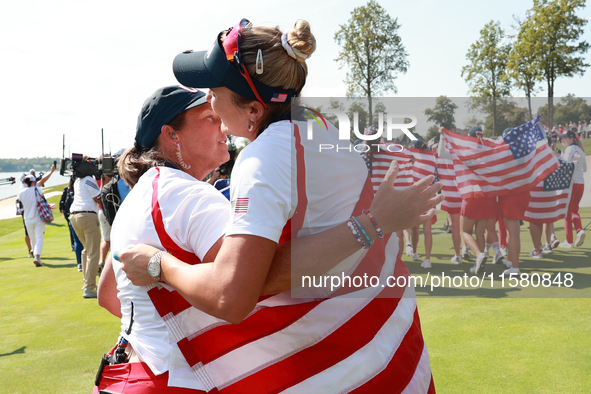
367,340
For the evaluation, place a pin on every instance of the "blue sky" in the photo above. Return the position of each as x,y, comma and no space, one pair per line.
74,66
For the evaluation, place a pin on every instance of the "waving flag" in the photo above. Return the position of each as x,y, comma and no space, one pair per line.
424,164
511,165
381,163
453,199
549,199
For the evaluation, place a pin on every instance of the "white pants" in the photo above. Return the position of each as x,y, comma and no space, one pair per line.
36,231
105,226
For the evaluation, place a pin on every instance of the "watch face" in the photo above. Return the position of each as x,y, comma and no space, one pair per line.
153,269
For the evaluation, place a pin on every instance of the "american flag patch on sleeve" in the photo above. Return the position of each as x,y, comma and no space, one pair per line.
240,205
279,97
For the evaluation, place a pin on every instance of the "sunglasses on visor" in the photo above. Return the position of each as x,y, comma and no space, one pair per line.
231,45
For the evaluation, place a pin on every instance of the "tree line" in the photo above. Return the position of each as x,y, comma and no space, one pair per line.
25,164
545,45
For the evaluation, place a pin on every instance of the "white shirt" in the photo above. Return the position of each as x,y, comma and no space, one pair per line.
574,154
29,201
194,214
265,179
85,190
283,177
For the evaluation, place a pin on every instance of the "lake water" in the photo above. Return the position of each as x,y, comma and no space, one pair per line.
8,190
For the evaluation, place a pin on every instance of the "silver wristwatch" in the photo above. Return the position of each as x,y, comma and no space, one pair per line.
154,265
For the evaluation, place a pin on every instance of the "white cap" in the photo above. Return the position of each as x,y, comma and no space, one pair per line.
32,178
23,176
32,171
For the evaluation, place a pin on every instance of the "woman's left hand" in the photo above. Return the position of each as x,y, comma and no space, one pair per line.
134,262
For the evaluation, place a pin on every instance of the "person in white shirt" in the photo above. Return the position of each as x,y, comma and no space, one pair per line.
20,211
84,219
574,152
34,225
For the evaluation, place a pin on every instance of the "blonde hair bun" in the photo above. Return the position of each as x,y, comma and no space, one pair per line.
301,39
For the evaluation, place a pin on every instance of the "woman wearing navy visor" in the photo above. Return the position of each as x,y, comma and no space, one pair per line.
366,339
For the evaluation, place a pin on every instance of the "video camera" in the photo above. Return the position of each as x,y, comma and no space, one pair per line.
7,181
89,167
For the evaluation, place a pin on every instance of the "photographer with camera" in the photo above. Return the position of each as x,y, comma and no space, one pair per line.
65,203
84,219
41,179
104,221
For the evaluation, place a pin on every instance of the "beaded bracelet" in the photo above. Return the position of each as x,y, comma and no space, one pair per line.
356,234
364,234
375,223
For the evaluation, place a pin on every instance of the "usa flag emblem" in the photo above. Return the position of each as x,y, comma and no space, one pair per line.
240,205
279,97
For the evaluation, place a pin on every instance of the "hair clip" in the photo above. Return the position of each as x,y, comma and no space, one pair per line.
259,64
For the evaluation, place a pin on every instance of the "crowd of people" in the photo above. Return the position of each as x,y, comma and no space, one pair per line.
480,226
582,129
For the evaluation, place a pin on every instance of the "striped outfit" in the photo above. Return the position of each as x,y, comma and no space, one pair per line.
354,341
168,209
364,340
453,200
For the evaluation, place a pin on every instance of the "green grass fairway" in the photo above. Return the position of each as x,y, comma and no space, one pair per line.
52,338
562,263
491,341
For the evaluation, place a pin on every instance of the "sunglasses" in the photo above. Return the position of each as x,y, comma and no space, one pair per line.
231,46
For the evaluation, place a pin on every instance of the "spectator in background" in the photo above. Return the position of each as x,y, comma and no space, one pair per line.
574,152
42,179
123,189
84,219
105,228
220,181
21,211
65,204
35,226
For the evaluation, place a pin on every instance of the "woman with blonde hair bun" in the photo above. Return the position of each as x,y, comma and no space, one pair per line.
353,336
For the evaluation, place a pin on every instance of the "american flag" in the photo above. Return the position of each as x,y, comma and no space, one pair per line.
279,97
424,164
381,164
240,205
508,166
549,199
447,174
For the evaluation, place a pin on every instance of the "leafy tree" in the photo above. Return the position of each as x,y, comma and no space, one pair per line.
552,31
570,108
333,104
473,121
40,164
373,52
443,113
433,131
521,66
486,72
509,115
359,108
